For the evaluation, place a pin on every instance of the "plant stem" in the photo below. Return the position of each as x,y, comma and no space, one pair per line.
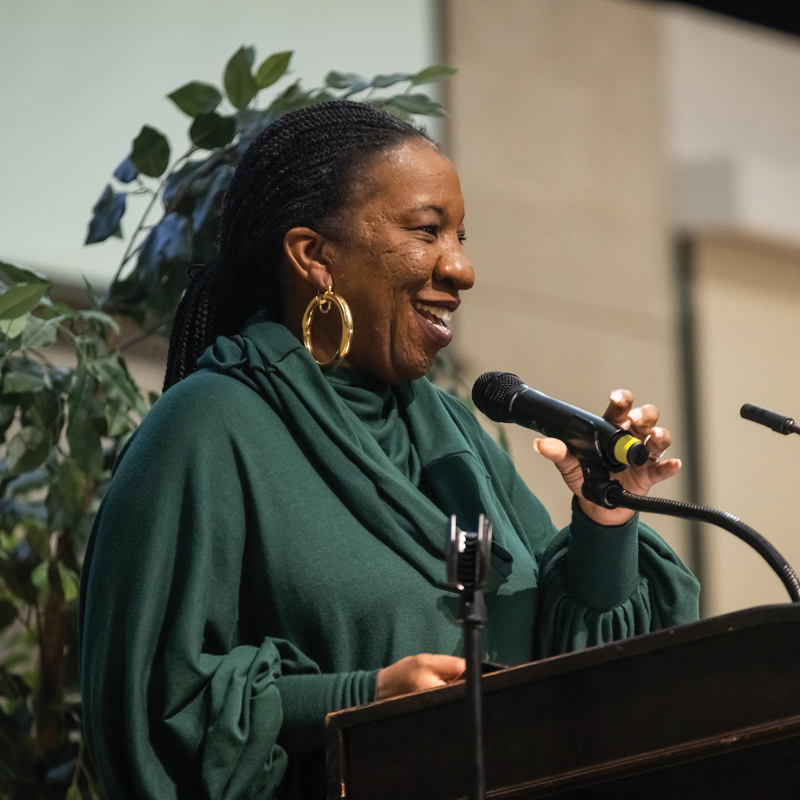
129,250
138,337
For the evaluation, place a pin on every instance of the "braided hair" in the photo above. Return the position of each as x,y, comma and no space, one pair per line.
296,173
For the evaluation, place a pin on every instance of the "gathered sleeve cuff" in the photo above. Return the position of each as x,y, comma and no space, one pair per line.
307,699
600,584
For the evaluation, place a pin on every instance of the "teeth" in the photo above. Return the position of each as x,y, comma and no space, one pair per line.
442,314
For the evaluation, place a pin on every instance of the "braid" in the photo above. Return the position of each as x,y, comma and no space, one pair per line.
296,173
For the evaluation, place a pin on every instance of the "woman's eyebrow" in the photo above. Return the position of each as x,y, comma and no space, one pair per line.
430,207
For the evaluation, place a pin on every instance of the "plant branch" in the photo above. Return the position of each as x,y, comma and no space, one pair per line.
129,250
138,337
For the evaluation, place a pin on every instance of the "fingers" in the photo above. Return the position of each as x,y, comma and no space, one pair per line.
663,470
416,673
556,451
657,441
443,668
620,404
552,449
642,420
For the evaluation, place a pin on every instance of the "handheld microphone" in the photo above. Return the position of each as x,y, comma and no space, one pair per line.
503,397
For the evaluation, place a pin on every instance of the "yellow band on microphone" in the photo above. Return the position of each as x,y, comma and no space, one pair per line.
622,446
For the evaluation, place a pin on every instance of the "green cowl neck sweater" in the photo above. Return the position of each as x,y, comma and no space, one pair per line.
274,536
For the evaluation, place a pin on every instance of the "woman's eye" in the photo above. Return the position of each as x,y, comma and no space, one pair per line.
432,230
462,237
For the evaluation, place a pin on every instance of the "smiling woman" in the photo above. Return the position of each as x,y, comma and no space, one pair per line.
400,263
271,548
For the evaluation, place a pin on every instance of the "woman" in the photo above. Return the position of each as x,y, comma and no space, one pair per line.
271,548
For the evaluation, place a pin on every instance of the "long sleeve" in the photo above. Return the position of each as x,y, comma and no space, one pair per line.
596,584
182,696
603,584
172,697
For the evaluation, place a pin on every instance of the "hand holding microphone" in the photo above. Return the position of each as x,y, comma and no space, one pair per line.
623,436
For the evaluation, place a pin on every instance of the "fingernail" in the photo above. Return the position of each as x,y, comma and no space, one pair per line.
680,463
617,397
536,445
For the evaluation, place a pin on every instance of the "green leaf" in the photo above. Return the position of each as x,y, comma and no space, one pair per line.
292,98
416,104
82,429
69,582
196,98
91,294
238,79
39,577
432,75
385,81
212,131
324,96
118,420
115,379
273,68
21,298
41,409
70,486
22,274
73,793
150,152
13,327
27,450
346,80
30,482
40,332
20,381
101,317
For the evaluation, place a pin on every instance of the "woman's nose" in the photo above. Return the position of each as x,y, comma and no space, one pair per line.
454,267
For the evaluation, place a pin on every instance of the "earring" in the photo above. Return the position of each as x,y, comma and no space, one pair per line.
323,303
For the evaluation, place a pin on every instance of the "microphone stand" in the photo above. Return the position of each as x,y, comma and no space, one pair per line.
599,488
468,558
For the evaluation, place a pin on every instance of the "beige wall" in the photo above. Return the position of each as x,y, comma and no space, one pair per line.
747,302
556,130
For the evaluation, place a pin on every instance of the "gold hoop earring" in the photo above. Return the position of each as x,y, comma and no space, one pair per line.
323,303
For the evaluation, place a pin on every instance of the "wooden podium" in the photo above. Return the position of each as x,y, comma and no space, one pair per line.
707,710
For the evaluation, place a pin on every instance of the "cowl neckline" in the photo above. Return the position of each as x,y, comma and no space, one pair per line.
380,408
369,441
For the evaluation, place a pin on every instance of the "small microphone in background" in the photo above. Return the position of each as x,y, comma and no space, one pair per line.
777,422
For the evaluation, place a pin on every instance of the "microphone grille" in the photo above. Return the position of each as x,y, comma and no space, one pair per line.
491,391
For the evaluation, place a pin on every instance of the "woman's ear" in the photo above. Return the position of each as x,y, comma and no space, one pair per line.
308,254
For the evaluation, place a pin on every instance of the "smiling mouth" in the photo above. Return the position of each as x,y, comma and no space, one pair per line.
440,317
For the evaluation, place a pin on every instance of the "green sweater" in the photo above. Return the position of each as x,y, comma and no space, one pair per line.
273,537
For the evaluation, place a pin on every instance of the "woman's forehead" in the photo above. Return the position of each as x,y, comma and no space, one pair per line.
413,176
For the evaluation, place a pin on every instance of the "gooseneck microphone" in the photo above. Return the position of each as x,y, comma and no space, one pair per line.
503,397
777,422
